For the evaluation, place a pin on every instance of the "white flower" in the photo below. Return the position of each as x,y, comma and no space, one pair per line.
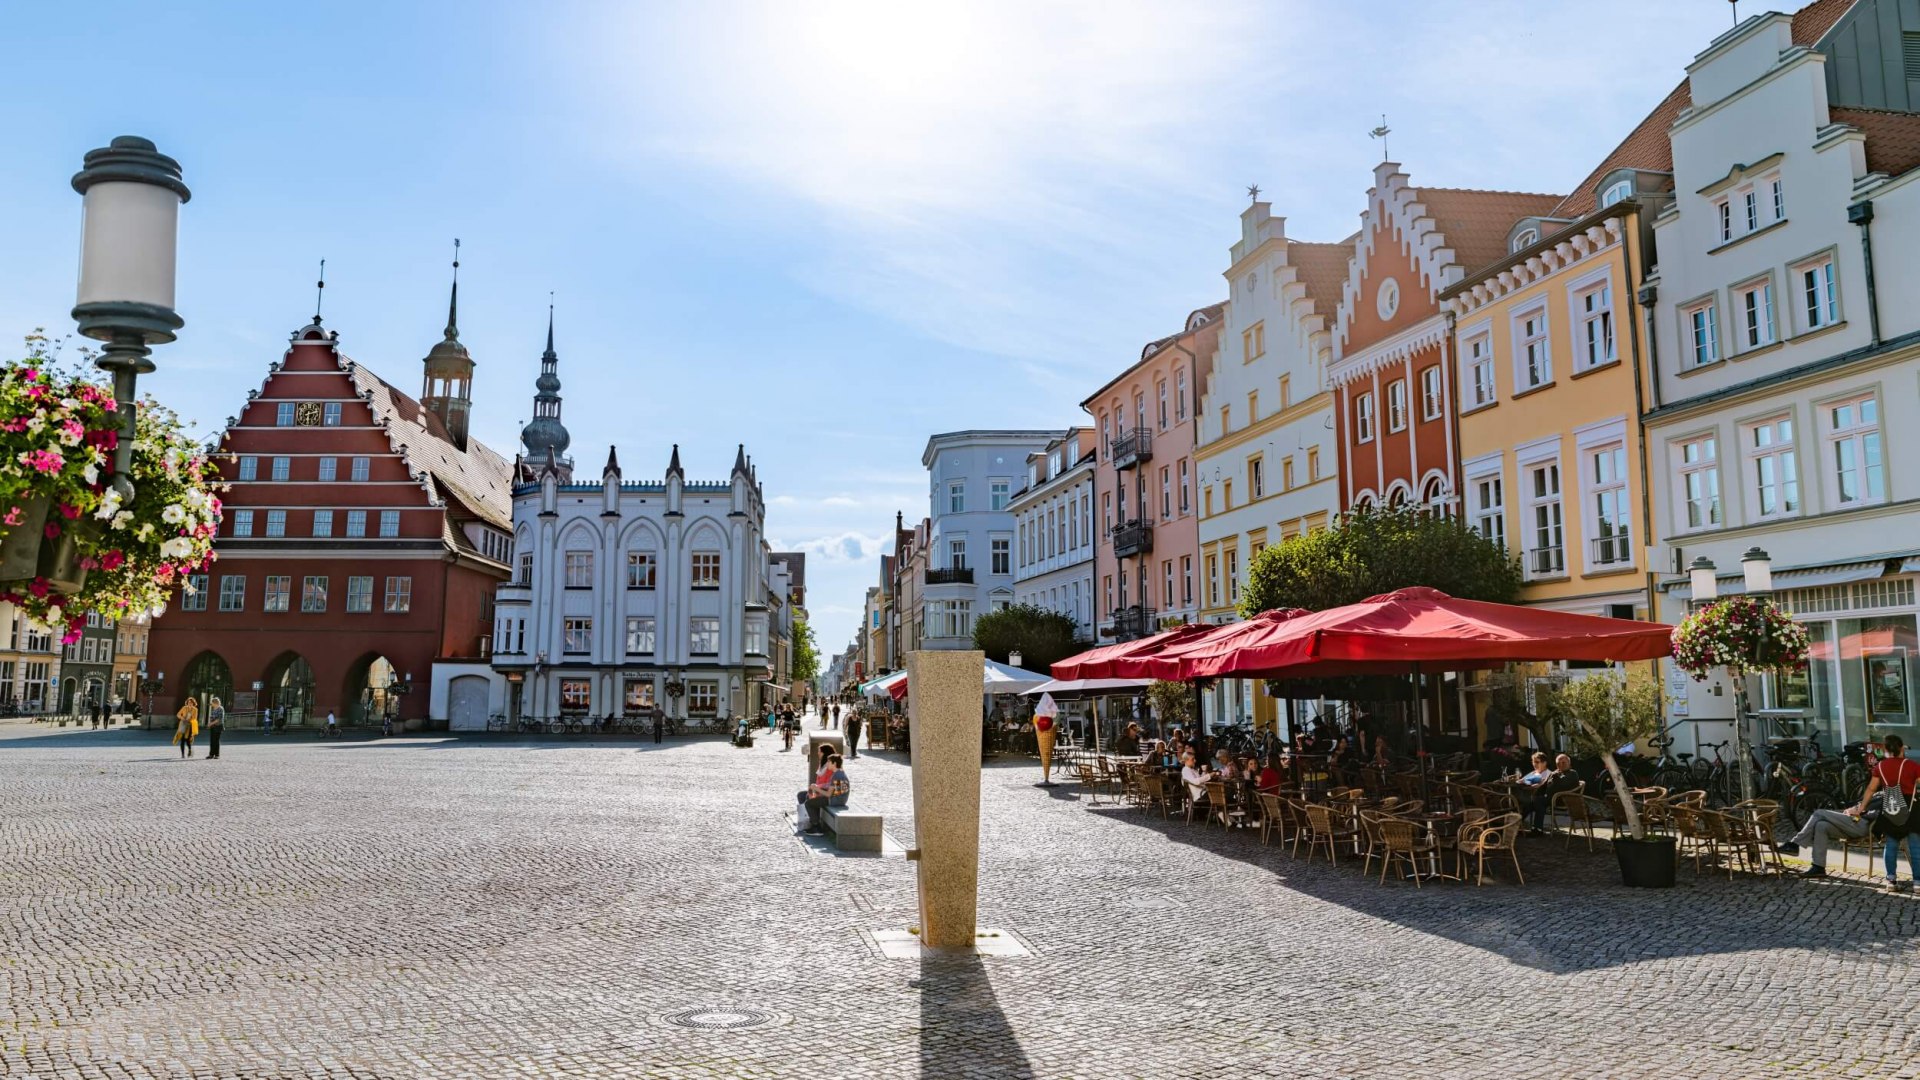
177,548
53,615
123,519
174,514
144,533
91,474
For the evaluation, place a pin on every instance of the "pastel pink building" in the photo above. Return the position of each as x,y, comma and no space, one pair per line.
1147,520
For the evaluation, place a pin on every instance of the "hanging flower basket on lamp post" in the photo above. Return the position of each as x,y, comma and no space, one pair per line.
1745,635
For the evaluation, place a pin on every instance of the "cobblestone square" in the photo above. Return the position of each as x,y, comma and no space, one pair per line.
505,907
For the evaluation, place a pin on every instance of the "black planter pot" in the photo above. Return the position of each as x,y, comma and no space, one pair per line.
1645,864
20,547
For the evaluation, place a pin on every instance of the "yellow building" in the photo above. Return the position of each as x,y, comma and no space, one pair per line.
1549,345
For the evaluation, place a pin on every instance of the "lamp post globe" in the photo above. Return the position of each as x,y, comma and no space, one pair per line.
130,225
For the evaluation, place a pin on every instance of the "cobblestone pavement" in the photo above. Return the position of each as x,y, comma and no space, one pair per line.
496,907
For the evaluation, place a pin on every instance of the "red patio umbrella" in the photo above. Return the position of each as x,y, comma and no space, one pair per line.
1412,631
1097,663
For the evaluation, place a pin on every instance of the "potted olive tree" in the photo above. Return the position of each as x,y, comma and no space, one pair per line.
1601,713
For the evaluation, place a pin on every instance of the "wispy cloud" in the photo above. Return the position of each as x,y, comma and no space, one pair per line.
846,547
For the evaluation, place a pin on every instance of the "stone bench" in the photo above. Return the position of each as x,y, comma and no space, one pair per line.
853,830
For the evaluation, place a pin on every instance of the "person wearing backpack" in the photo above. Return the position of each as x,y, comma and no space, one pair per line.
1893,780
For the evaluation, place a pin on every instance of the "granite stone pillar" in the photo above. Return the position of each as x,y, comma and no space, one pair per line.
944,705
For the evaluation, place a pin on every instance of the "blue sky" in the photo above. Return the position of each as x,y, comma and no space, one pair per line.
827,230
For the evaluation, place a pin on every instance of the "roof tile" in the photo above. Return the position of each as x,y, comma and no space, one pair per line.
477,478
1893,138
1475,223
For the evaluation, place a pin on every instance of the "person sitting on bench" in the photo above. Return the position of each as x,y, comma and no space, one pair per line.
816,795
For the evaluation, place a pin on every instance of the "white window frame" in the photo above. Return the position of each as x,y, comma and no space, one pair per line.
1861,440
1433,393
1533,503
277,592
1397,405
242,523
1816,295
1590,302
1477,355
578,569
1779,456
576,635
276,523
1754,308
1363,417
643,569
1723,219
359,593
1527,238
399,595
359,470
356,523
249,467
703,570
1701,335
1532,330
389,523
703,630
640,635
998,493
1707,510
1603,496
1487,493
329,469
323,523
1617,191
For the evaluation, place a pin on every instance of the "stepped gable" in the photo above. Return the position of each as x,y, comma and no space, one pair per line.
476,479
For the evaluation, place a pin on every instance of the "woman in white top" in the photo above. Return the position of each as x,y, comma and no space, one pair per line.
1194,777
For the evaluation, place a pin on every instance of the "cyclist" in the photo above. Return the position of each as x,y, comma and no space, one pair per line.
333,726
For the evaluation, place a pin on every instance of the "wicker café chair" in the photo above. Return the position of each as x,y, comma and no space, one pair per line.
1408,808
1492,837
1692,836
1272,818
1324,831
1372,845
1579,813
1154,792
1403,841
1765,817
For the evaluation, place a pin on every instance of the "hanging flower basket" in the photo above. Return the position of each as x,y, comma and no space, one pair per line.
71,544
1741,634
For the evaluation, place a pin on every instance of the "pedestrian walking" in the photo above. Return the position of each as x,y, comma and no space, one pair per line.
186,727
853,734
96,714
216,723
659,726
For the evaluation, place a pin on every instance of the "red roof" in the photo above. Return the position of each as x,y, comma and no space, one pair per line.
1323,269
1893,138
476,478
1812,22
1475,223
1646,147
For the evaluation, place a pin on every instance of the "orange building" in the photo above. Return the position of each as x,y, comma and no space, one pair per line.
1393,380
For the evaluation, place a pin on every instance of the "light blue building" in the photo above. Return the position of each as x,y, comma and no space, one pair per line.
972,477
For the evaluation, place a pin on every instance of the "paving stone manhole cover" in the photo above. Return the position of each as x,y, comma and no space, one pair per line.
722,1018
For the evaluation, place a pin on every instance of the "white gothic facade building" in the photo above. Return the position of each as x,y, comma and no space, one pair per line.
631,596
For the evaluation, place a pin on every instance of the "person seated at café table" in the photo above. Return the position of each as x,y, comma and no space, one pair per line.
1128,744
1381,758
1562,778
1195,777
1225,767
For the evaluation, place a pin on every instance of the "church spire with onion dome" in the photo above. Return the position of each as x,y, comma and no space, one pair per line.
545,437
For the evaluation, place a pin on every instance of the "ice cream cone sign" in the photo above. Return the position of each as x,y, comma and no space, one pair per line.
1044,732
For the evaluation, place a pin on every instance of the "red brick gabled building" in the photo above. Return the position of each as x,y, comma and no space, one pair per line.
364,534
1394,384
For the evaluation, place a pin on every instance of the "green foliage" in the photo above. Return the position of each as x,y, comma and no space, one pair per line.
1602,712
806,657
1040,636
1373,551
1172,703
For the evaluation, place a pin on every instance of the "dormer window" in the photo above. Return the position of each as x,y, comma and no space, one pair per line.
1527,237
1615,192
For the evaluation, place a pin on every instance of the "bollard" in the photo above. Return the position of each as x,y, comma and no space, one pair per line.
945,729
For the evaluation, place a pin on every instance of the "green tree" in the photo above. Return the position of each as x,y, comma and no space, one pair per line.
1601,713
1172,703
1373,551
1039,635
806,657
1368,552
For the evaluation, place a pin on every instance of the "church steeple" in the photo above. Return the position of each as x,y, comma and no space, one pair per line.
448,388
545,437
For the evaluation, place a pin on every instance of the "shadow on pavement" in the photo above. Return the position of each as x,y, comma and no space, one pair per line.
963,1029
1573,914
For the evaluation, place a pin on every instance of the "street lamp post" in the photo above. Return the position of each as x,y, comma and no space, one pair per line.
131,195
1756,569
150,687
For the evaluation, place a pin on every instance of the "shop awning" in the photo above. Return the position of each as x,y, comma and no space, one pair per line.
1079,688
1805,577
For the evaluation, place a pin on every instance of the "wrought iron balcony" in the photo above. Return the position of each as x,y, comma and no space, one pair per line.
1133,538
1614,550
1133,448
950,575
1547,561
1133,623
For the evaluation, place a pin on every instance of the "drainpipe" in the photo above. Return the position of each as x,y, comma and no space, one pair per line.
1861,214
1646,296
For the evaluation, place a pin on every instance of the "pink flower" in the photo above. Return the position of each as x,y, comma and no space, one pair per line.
69,511
38,587
14,516
69,637
52,530
113,560
46,461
